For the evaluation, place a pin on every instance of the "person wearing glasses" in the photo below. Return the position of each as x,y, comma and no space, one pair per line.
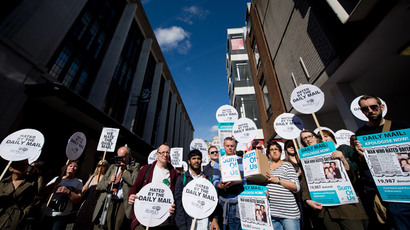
90,196
160,171
398,215
346,216
213,154
257,146
118,180
282,184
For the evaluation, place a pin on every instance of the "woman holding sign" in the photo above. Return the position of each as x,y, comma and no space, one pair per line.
346,216
90,196
68,192
283,182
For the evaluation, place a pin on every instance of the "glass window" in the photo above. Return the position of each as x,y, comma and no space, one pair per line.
256,54
72,71
242,72
266,98
81,81
60,63
237,44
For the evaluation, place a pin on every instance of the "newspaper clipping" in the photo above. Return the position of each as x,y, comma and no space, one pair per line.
388,157
254,198
327,179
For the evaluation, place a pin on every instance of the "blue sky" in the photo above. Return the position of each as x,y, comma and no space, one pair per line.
192,36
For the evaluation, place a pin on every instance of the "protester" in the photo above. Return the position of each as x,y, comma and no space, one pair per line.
17,193
183,220
229,191
292,157
398,214
213,154
59,210
282,183
160,171
257,146
90,196
346,216
347,159
117,181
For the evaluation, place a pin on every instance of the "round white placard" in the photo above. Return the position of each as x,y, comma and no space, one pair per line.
200,144
323,128
184,166
343,137
288,125
307,99
21,145
199,198
152,156
153,204
75,146
226,113
355,109
244,130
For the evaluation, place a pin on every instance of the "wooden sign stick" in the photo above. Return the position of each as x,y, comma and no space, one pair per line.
5,170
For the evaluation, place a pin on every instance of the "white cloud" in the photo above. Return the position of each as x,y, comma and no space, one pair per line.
214,128
193,12
173,38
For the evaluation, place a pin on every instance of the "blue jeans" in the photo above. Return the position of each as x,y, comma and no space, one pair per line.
285,223
233,222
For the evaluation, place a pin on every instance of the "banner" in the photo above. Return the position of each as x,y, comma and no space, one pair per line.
176,157
388,157
199,144
75,146
254,208
229,168
326,178
152,156
108,139
244,130
22,144
288,126
153,204
307,99
224,131
199,198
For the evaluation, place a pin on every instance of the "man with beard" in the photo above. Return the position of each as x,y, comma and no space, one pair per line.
398,214
182,219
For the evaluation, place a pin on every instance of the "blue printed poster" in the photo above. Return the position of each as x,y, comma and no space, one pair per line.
388,157
326,178
254,208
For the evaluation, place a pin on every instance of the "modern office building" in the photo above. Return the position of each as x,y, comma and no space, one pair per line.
69,66
346,48
240,82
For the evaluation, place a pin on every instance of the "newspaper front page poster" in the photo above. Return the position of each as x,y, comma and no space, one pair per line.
254,208
388,157
326,178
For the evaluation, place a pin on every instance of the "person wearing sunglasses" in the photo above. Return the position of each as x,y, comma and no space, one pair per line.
213,154
257,146
398,214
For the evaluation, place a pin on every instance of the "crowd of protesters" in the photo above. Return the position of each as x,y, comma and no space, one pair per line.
106,199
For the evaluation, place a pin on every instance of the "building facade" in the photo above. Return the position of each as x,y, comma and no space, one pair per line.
347,50
69,66
240,83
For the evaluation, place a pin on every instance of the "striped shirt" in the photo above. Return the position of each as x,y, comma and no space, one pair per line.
282,202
